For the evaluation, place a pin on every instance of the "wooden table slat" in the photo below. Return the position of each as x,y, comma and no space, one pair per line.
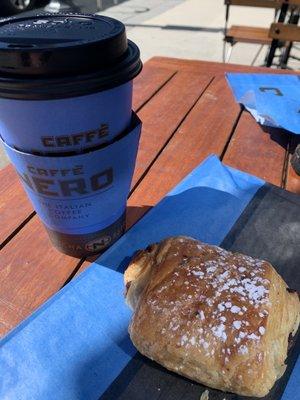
31,270
14,205
163,114
148,83
257,152
203,132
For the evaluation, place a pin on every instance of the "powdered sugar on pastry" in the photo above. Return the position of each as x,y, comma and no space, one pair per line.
220,286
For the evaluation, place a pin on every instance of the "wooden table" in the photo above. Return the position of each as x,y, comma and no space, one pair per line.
188,112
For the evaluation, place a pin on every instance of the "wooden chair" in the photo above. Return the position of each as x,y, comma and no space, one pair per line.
288,33
295,3
246,34
285,32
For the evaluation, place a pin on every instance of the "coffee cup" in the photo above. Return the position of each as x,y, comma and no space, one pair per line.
65,82
81,198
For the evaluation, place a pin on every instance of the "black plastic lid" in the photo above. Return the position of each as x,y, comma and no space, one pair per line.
63,55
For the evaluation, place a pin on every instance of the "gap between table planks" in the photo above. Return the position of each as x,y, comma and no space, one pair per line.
31,270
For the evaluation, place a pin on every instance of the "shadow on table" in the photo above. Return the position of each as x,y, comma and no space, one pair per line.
287,140
278,135
282,137
204,213
101,376
97,369
133,214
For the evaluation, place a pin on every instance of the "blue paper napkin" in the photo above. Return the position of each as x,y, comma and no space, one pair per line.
272,99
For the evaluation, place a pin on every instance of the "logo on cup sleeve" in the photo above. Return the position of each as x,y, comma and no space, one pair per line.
98,244
82,138
64,183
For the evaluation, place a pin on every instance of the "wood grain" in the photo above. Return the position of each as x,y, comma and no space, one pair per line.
285,32
31,270
254,3
247,34
14,205
163,114
257,152
150,81
206,130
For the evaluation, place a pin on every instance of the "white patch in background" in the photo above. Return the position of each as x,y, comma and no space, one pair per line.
204,395
53,6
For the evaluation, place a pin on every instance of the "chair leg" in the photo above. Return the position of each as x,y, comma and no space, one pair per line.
271,54
257,54
226,55
294,19
275,42
224,51
229,54
285,55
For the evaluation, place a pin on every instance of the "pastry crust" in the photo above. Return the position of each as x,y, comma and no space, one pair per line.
220,318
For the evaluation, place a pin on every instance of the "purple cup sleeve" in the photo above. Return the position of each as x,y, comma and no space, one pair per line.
82,193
